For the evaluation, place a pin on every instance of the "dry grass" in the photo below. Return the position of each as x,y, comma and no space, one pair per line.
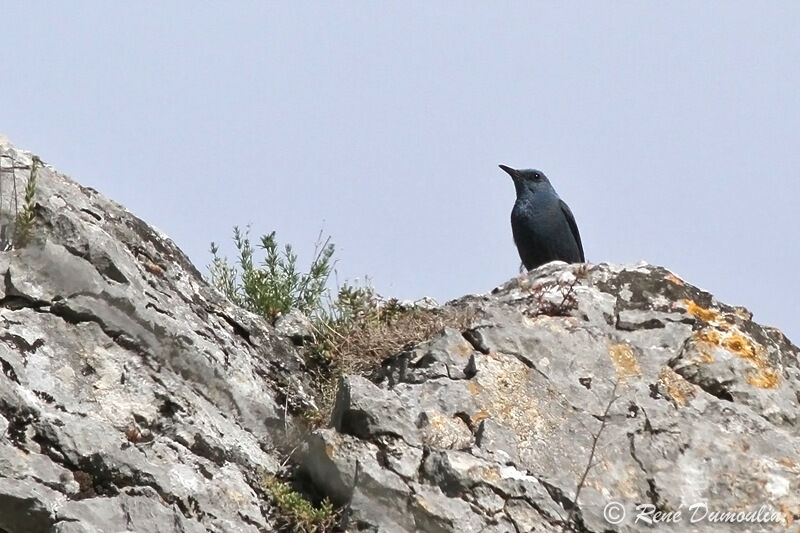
552,298
363,344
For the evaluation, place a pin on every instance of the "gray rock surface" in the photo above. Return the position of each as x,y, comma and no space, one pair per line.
133,397
684,399
296,326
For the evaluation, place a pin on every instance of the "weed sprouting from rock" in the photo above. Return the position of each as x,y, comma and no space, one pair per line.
352,332
298,514
552,298
275,285
17,233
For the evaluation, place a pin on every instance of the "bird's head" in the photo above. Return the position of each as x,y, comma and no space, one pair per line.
528,181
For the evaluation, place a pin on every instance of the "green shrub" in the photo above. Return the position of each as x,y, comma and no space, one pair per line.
275,286
297,512
352,333
22,226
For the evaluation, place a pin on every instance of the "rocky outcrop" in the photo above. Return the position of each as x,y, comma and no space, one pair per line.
581,398
133,397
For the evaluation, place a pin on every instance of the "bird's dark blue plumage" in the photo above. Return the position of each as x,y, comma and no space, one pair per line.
543,226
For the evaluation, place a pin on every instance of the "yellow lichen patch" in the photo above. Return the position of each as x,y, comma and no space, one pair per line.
464,349
624,361
706,338
674,279
474,388
763,378
442,431
789,512
709,336
677,387
153,268
697,311
480,415
505,396
740,345
735,342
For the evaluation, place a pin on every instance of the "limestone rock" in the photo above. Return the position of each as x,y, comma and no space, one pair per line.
132,395
686,401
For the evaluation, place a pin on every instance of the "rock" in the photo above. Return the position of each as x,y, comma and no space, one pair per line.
425,303
296,326
132,394
348,471
135,397
649,387
364,410
27,505
134,509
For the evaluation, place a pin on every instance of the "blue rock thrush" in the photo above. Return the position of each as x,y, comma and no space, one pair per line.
544,228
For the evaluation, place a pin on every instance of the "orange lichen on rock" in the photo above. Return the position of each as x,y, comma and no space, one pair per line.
697,311
675,279
624,361
706,339
480,415
763,378
504,395
155,269
710,336
677,387
740,345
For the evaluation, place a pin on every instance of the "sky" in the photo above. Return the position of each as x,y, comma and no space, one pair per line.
672,129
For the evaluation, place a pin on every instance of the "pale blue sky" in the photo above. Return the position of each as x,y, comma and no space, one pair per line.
670,128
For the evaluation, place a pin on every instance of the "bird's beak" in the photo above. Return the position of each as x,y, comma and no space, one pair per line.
511,172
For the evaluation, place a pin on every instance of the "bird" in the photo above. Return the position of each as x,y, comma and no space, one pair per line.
542,224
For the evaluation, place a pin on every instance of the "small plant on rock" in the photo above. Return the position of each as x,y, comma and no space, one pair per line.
20,231
296,511
275,286
353,333
553,298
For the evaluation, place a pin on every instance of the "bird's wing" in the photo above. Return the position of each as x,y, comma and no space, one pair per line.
573,226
